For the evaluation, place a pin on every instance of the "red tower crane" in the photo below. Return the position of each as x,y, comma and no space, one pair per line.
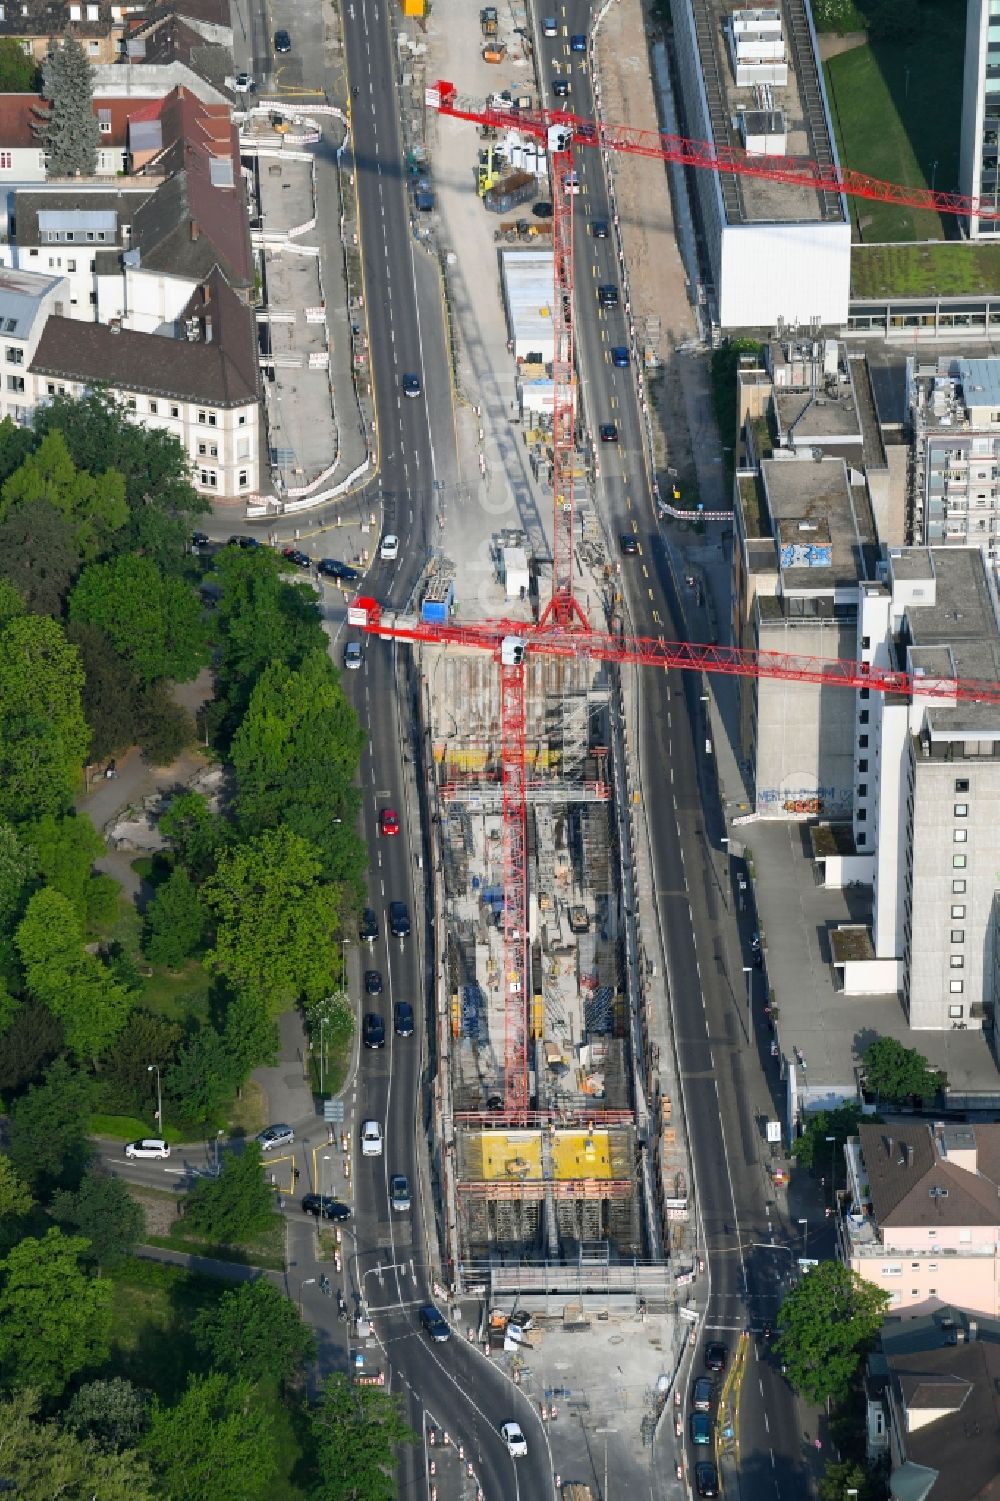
563,629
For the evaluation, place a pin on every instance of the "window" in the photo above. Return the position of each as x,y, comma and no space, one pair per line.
862,789
94,48
866,693
958,862
863,716
242,419
104,119
74,13
130,402
244,479
15,383
15,354
932,1266
954,1012
892,1271
201,417
213,419
866,642
958,889
175,411
209,479
154,407
960,836
92,12
862,838
958,911
862,815
71,265
962,784
957,961
863,764
956,987
914,1266
863,741
958,935
961,810
6,160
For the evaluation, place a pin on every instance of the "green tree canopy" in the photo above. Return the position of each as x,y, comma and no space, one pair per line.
67,128
73,983
110,692
162,502
93,504
256,1332
67,847
276,921
54,1319
18,70
43,734
154,623
357,1432
813,1148
845,1478
19,868
39,554
296,756
895,1072
175,920
196,834
235,1205
335,1014
217,1441
105,1213
202,1080
41,1460
827,1323
12,603
250,1035
163,727
126,1085
47,1141
15,1196
31,1039
115,1414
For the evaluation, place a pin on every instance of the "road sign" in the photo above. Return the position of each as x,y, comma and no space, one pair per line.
333,1110
774,1130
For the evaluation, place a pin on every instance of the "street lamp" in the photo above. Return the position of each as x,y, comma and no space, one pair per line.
805,1237
304,1283
218,1137
748,971
833,1163
322,1050
343,958
325,1178
159,1096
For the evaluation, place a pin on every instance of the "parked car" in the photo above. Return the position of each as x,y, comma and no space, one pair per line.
706,1478
282,41
241,540
404,1019
199,539
373,1030
275,1136
702,1393
609,432
700,1428
716,1355
373,982
517,1444
148,1146
542,210
389,821
244,83
325,1208
435,1323
332,568
297,556
399,1192
371,1139
399,919
368,926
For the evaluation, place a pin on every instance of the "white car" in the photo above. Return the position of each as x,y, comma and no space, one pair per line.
148,1146
517,1444
352,656
389,550
371,1139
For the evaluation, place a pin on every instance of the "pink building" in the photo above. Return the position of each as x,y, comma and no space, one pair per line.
923,1218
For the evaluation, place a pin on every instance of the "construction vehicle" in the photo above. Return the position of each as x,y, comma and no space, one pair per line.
488,21
492,165
521,229
494,52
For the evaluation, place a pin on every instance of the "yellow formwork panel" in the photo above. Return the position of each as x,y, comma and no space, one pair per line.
581,1154
511,1156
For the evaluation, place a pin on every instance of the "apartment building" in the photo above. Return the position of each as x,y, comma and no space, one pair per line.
37,24
27,301
922,1220
955,416
980,140
751,80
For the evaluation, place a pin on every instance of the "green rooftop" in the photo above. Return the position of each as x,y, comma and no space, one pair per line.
931,269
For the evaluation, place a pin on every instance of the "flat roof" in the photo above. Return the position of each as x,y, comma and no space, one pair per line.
750,200
818,416
958,634
527,276
804,496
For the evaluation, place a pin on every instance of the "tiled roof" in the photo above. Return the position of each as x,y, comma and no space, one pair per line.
219,368
911,1183
54,18
29,204
958,1452
17,111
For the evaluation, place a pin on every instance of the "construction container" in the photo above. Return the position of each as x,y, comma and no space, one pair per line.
509,191
438,600
414,7
516,578
494,53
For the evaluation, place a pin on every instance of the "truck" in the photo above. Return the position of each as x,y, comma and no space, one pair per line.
488,20
507,192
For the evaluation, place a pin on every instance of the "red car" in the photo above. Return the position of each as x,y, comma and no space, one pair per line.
389,822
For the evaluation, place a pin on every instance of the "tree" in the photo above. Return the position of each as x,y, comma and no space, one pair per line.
250,1036
67,847
161,500
18,869
235,1205
814,1150
256,1332
12,604
332,1018
110,692
202,1080
40,1459
67,128
175,921
154,623
18,72
47,1141
196,834
65,977
105,1213
31,1040
126,1085
54,1318
217,1441
276,922
43,734
895,1072
296,756
827,1323
163,727
93,504
115,1414
357,1431
845,1477
38,555
15,1196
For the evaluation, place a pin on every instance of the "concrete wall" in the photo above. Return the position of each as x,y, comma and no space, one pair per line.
792,271
804,734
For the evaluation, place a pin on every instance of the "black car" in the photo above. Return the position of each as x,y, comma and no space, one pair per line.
199,539
373,1030
404,1019
373,982
294,555
702,1393
325,1208
706,1478
331,568
607,295
243,541
716,1356
282,41
609,432
435,1323
629,544
411,385
399,919
599,229
542,210
560,87
368,926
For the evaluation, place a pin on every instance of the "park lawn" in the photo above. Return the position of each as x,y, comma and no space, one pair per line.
153,1309
896,111
937,270
266,1250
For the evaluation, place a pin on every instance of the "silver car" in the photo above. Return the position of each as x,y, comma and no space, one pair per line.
399,1192
275,1136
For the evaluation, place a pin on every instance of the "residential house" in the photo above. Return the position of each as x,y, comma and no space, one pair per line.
27,301
37,24
22,158
195,33
80,235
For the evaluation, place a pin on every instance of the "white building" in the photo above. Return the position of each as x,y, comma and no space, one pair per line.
526,279
777,252
26,303
954,409
978,169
